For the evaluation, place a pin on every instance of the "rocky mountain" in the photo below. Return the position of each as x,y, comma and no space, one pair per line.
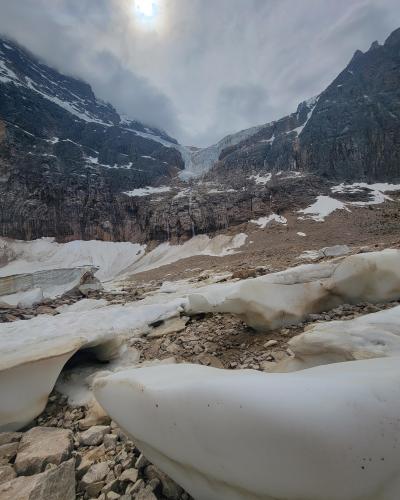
71,167
66,157
350,131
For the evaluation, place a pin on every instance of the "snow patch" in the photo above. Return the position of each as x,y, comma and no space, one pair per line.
147,191
376,191
261,179
263,221
323,207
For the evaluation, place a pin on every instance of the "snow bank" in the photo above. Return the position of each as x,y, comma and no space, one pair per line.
33,352
323,207
29,256
334,251
263,221
286,298
51,283
371,336
326,433
82,305
165,254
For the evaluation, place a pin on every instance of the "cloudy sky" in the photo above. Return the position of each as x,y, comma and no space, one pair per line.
200,68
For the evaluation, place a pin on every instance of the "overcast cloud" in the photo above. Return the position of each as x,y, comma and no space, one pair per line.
202,68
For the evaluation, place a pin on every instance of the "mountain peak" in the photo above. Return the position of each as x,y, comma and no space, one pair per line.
393,39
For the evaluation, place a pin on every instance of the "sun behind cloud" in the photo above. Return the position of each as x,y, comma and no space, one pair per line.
145,8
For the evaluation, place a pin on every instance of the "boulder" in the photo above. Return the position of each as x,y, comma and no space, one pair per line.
94,436
8,451
41,446
7,472
169,488
95,474
129,475
9,437
56,483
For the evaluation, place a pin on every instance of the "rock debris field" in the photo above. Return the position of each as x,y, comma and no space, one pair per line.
122,390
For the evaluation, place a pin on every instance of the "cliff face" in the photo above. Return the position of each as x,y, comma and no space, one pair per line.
351,131
66,157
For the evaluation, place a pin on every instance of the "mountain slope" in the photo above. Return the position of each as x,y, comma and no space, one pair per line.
351,131
69,156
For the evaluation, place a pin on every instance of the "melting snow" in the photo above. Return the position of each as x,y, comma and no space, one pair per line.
261,179
263,221
147,191
377,192
45,253
323,207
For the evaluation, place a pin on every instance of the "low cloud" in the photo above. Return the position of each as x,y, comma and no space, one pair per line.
206,67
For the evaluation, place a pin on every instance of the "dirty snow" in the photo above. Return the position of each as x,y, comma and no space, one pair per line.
46,253
165,254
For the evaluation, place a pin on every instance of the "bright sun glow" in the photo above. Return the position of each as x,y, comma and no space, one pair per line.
145,7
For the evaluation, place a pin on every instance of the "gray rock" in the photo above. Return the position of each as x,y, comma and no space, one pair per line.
130,475
112,495
146,494
110,441
93,490
169,488
8,451
141,462
9,437
56,483
94,436
96,473
6,473
41,446
335,250
270,343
